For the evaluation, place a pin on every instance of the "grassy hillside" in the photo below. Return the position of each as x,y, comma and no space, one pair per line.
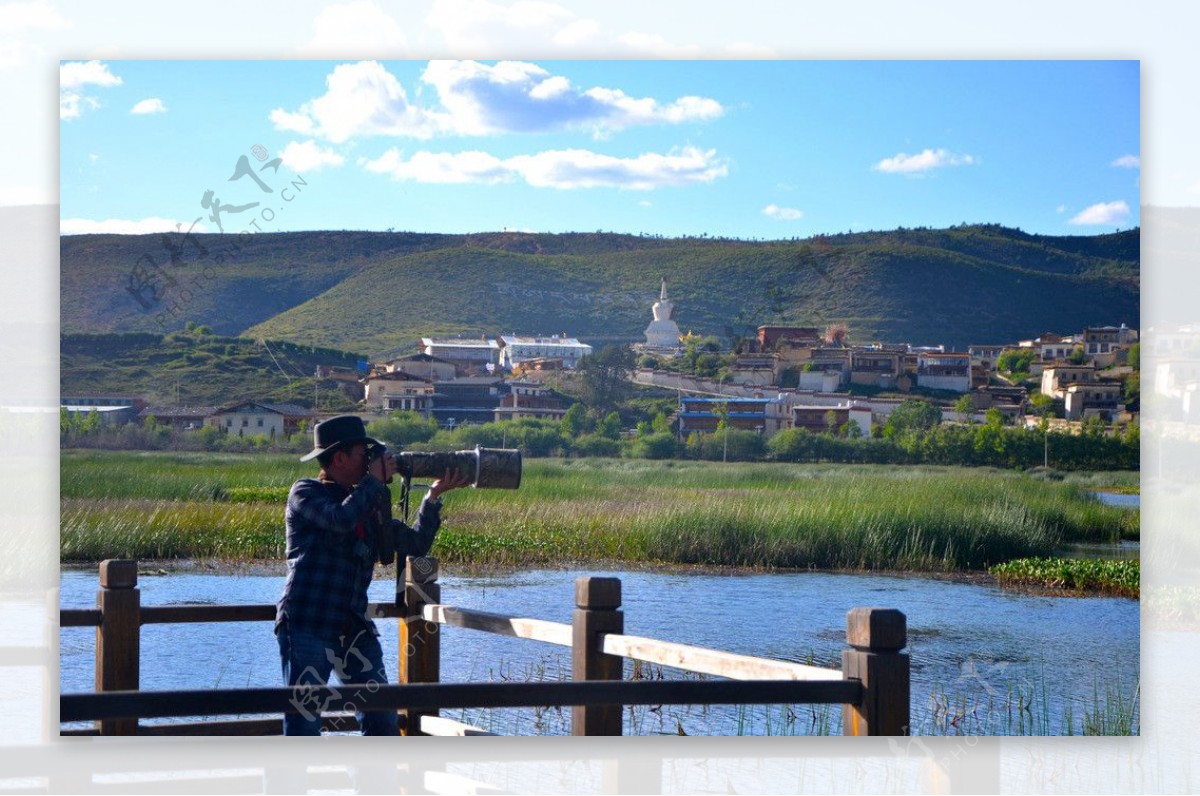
378,292
191,369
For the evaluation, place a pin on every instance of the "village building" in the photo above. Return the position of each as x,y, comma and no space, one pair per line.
821,419
423,366
825,370
471,399
112,410
873,367
1050,346
1103,345
1057,378
470,357
749,414
1099,399
515,349
1012,402
253,419
773,338
944,371
529,399
397,390
179,418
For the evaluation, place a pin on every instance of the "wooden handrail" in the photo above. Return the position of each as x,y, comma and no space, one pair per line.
714,662
535,629
873,684
182,614
164,614
79,617
115,705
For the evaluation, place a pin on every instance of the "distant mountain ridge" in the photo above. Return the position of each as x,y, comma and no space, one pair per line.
378,292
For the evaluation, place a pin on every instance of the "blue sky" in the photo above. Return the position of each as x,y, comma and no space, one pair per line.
747,149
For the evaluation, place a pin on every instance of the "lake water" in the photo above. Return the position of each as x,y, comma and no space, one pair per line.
983,650
1115,499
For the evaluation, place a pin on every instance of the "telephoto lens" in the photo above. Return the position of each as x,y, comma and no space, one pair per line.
483,468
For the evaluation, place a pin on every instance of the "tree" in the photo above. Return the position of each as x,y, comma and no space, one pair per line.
1015,360
831,422
661,425
913,415
1134,358
604,377
965,406
610,426
1042,404
574,422
1076,357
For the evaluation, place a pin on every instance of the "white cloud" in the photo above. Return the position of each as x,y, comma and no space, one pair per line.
923,161
443,167
149,106
1103,213
516,96
475,99
360,99
360,26
782,213
1060,209
645,203
76,76
123,226
309,156
1127,162
562,169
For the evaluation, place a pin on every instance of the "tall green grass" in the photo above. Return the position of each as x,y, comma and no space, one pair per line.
751,515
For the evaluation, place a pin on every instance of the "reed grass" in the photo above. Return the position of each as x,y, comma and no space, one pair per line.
1121,577
922,518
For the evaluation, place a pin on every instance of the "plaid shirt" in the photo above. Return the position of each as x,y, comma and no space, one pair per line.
331,554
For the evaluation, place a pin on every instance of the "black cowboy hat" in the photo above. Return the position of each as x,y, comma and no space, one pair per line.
340,430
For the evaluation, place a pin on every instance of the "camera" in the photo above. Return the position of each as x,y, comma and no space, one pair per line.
483,468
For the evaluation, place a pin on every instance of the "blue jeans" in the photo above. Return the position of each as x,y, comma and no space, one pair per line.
357,661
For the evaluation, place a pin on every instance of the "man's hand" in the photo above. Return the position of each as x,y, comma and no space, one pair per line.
451,480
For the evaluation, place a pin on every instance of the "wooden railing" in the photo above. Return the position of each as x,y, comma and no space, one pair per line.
873,685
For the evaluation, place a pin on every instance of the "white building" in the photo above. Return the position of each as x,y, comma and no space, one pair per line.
663,333
940,371
467,355
518,348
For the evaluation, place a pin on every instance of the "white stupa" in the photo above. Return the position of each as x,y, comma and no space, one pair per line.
663,332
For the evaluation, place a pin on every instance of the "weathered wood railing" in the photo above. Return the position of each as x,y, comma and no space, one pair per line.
873,686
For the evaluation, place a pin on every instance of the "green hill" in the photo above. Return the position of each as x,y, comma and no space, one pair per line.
185,368
377,292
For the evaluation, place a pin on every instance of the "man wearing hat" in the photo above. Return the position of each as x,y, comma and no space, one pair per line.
332,527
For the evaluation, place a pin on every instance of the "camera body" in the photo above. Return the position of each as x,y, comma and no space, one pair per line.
483,468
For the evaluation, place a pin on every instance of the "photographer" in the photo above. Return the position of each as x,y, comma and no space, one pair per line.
334,524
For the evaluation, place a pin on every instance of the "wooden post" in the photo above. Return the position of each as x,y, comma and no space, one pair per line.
597,611
118,636
420,647
876,636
